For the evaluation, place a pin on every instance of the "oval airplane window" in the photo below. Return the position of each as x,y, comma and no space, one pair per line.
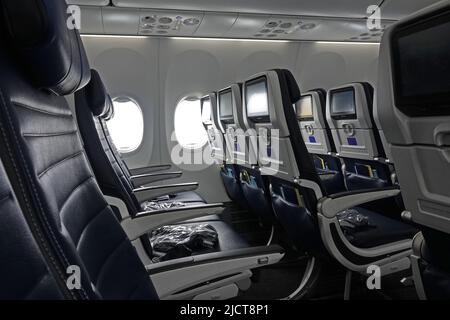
127,125
189,129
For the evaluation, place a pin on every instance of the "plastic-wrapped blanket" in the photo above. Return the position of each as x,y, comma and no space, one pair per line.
176,241
352,220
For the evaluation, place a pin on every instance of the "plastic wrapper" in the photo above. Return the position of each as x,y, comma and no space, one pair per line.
182,240
352,220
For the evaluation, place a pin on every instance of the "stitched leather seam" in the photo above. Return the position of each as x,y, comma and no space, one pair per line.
108,258
74,190
88,223
50,134
5,196
36,284
61,115
56,164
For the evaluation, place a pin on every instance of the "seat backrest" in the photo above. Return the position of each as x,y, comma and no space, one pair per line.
229,104
42,61
349,115
266,96
211,123
296,187
24,270
93,105
311,115
414,111
357,139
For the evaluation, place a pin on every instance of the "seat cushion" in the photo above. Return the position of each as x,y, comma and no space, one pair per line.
228,239
381,230
187,196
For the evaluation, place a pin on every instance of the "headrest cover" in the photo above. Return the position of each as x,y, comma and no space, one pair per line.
97,97
48,44
288,78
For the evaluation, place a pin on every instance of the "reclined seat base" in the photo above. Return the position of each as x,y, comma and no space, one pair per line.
380,230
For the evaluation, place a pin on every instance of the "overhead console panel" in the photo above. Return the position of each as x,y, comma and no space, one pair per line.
169,23
318,20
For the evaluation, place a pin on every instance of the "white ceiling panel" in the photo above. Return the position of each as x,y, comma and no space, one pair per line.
97,3
397,9
91,20
336,8
216,24
169,23
120,21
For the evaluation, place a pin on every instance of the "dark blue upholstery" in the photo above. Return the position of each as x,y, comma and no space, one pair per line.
360,181
381,230
93,104
256,192
43,44
53,170
232,182
24,273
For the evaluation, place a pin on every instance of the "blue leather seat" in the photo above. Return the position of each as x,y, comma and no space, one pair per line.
381,230
93,105
42,61
24,272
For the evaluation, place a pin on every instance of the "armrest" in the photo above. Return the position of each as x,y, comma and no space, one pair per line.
149,169
143,179
333,204
180,279
148,221
153,192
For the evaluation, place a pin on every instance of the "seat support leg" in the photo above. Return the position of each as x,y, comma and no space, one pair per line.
348,284
272,233
309,277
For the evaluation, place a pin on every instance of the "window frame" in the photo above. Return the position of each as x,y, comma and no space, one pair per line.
196,98
137,104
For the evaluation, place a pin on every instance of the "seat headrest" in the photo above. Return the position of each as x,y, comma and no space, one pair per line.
97,96
292,86
46,43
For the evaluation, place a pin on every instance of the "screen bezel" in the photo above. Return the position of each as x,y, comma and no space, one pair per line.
309,118
225,119
261,118
202,100
340,115
419,105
